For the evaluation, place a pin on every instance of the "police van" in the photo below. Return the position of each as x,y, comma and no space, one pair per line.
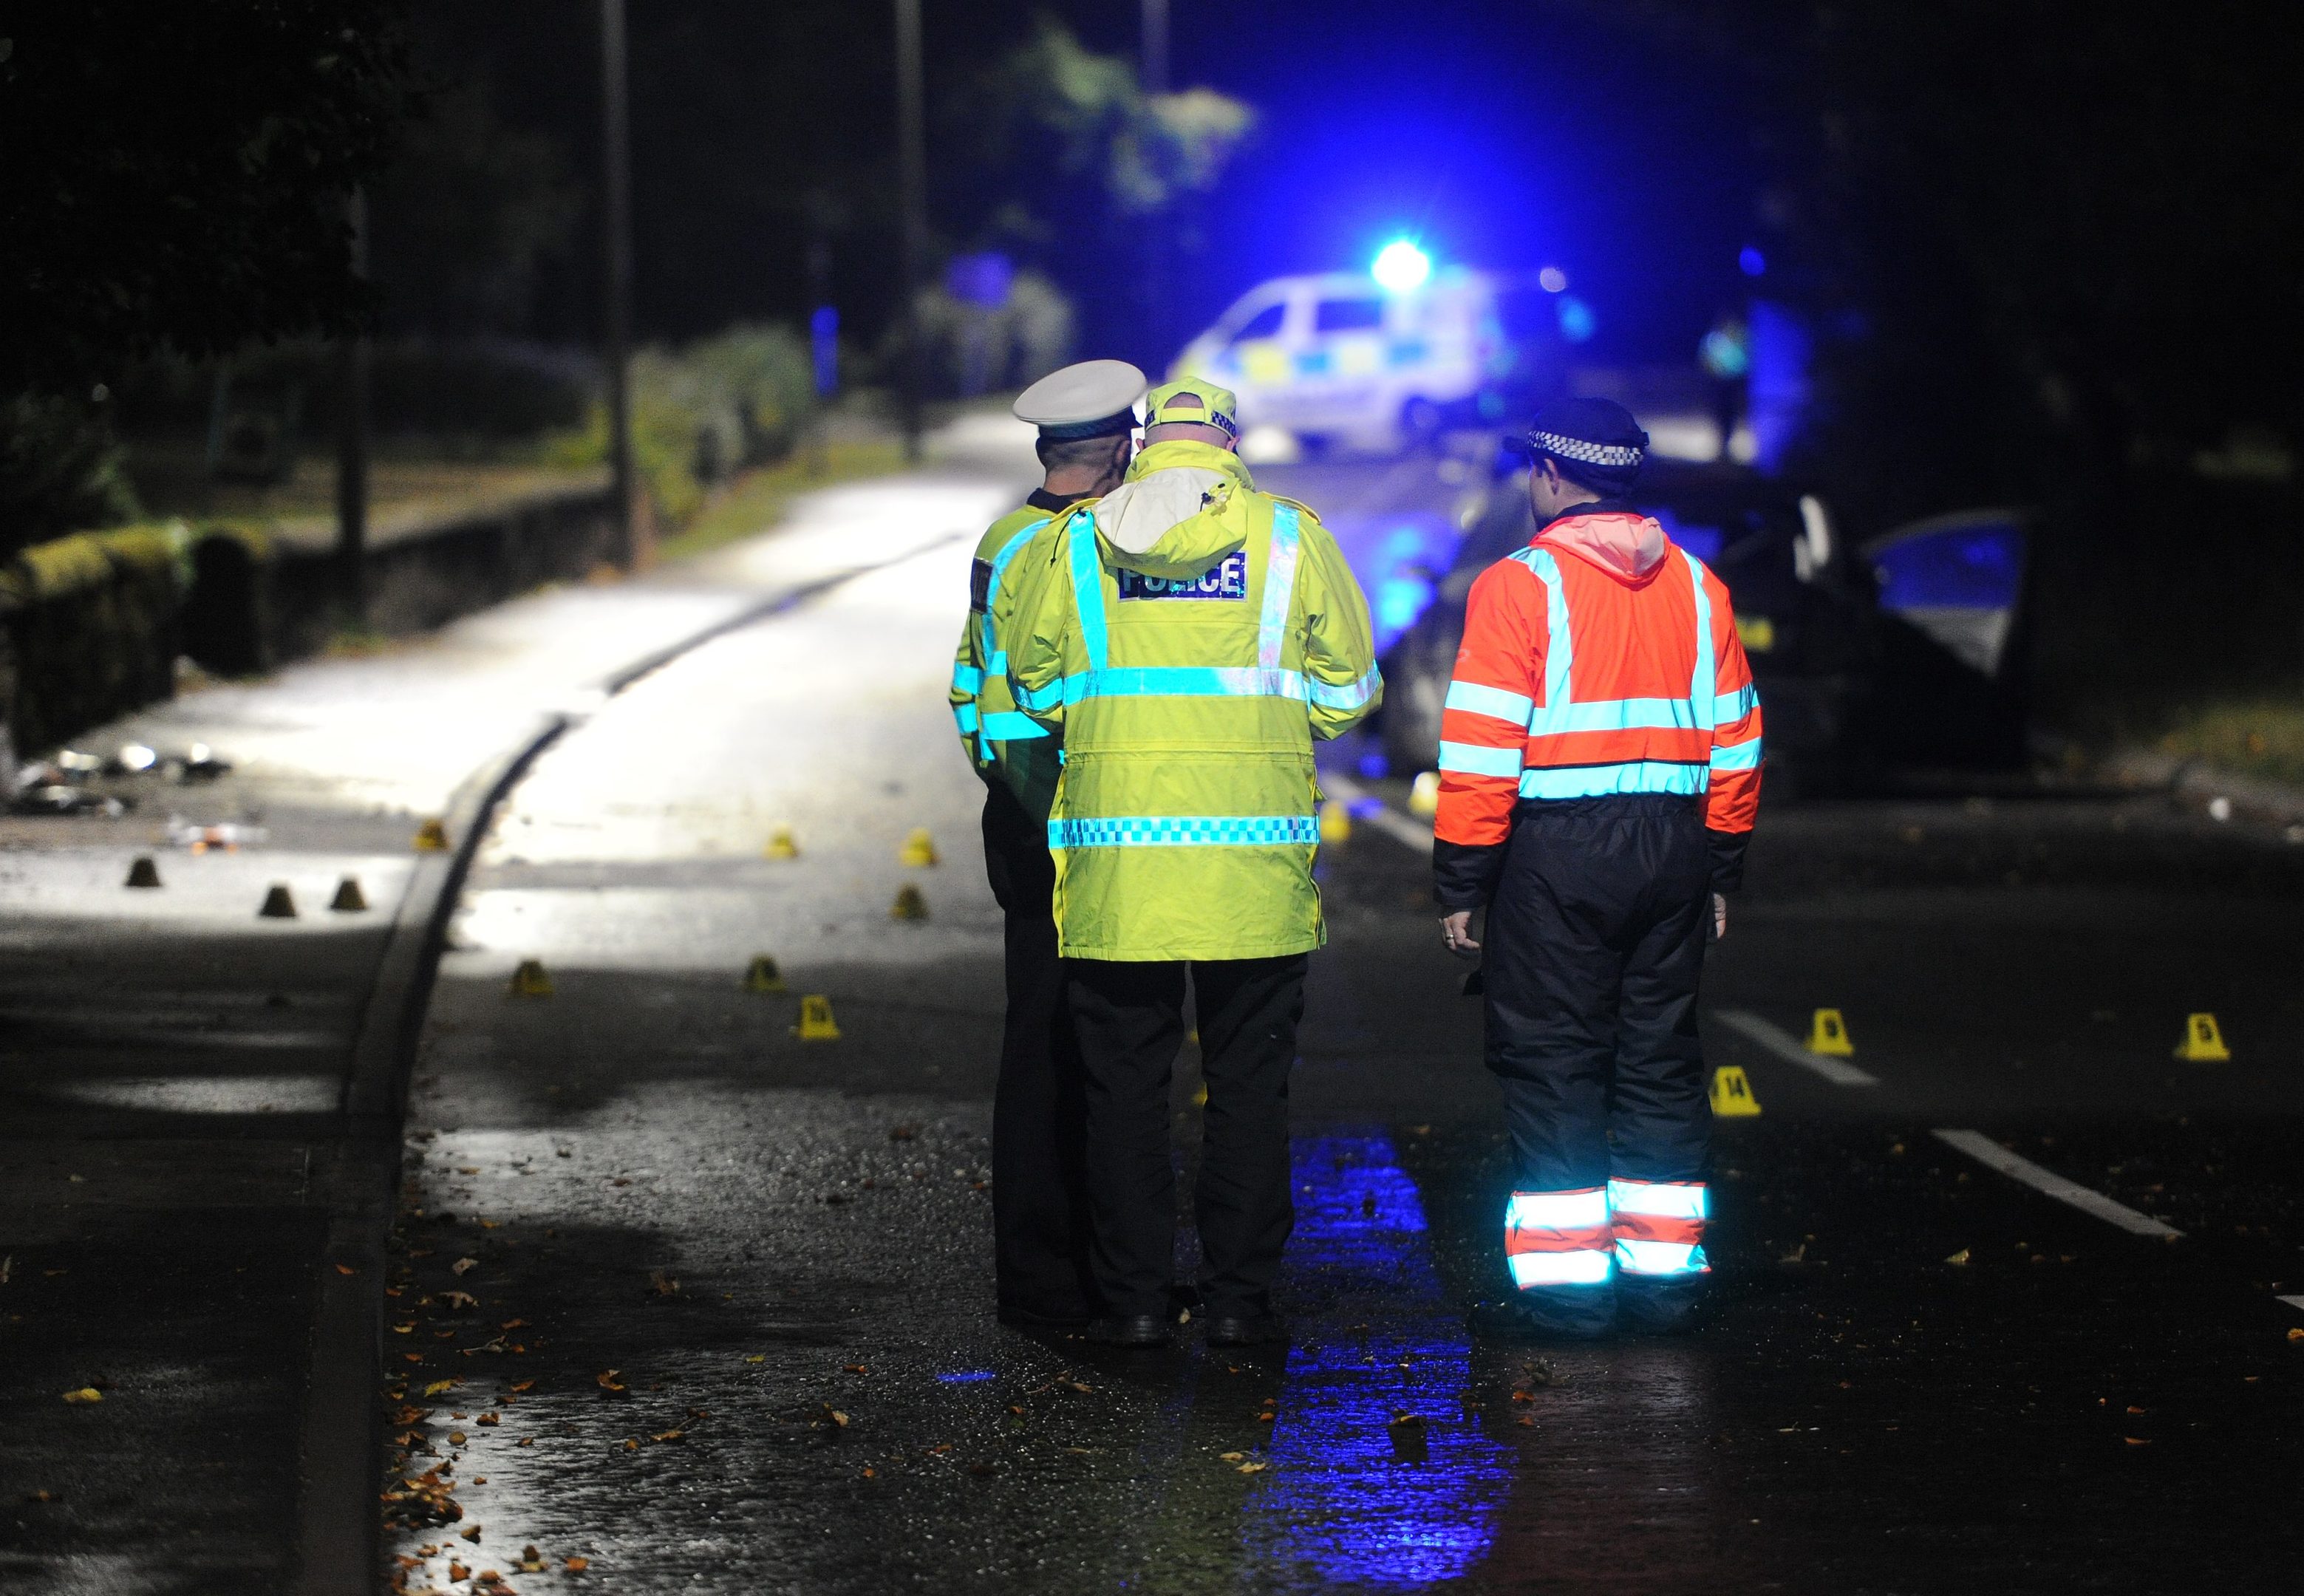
1337,358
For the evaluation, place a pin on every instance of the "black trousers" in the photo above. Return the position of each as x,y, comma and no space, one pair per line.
1593,945
1131,1021
1039,1198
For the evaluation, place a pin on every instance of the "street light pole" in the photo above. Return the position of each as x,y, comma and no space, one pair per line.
617,273
912,183
351,441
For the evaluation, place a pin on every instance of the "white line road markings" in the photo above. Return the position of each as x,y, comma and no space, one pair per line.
1401,828
1786,1046
1987,1152
2294,1302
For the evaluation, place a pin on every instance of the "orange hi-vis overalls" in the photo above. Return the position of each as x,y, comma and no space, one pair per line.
1599,772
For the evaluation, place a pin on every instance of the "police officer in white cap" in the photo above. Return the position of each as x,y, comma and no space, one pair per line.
1087,417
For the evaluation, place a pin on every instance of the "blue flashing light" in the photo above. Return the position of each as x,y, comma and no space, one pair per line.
1401,266
1751,261
1577,322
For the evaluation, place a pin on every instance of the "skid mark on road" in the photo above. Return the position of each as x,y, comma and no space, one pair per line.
1787,1047
1992,1154
1364,1500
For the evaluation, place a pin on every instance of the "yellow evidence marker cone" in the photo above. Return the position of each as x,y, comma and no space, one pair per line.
1828,1033
349,898
277,904
1731,1095
1424,795
909,905
780,845
764,976
2203,1042
1335,823
815,1021
143,872
431,837
529,981
918,852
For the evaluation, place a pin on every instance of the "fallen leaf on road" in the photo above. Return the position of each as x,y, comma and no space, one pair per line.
522,1385
87,1393
670,1435
2133,1408
856,1369
2296,1335
438,1386
532,1561
758,1357
577,1565
1527,1420
458,1573
525,1440
1232,1456
608,1381
490,1419
663,1284
402,1329
1959,1258
2136,1441
1077,1385
456,1438
346,1269
1253,1468
1408,1421
836,1416
514,1324
461,1300
630,1445
472,1534
462,1264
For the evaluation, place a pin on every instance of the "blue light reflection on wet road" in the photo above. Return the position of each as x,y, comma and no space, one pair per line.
1344,1496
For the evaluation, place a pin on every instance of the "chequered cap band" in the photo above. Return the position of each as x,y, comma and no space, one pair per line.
1591,454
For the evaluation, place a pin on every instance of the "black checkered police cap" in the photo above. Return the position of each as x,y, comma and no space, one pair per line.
1593,442
1095,398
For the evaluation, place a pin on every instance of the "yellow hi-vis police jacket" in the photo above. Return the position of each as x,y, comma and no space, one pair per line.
1190,677
1002,743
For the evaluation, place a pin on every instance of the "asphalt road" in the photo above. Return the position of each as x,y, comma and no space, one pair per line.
707,1306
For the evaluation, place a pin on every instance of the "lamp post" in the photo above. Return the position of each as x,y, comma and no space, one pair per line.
351,443
912,185
617,273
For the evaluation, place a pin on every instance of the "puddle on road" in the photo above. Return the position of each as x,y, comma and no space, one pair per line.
1364,1500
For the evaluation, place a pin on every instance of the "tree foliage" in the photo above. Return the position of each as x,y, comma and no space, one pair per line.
177,174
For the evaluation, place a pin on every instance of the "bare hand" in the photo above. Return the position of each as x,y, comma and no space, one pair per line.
1456,931
1719,917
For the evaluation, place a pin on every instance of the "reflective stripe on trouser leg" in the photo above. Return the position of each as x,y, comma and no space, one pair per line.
1659,1226
1558,1239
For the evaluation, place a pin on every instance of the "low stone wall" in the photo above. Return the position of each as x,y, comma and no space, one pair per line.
92,626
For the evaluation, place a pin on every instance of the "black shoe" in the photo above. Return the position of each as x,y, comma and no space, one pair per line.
1139,1329
1246,1330
1526,1322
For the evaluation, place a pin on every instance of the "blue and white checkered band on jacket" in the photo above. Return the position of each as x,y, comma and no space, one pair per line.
1226,579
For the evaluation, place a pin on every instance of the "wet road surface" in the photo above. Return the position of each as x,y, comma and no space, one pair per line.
707,1306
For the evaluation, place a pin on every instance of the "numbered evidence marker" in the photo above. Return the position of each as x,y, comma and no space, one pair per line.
1731,1095
1828,1033
2204,1043
815,1021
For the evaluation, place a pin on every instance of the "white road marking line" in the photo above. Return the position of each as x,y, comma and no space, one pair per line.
1786,1046
1991,1153
1401,828
2294,1302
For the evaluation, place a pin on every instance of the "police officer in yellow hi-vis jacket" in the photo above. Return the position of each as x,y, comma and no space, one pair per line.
1191,637
1086,418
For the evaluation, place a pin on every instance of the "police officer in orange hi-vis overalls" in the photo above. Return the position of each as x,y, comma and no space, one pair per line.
1599,773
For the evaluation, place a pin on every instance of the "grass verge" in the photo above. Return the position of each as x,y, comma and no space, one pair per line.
754,501
2260,735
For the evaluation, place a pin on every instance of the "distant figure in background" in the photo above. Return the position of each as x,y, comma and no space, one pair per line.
1087,417
1599,775
1191,636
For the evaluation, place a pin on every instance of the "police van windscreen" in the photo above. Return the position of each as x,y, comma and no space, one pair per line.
1348,315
